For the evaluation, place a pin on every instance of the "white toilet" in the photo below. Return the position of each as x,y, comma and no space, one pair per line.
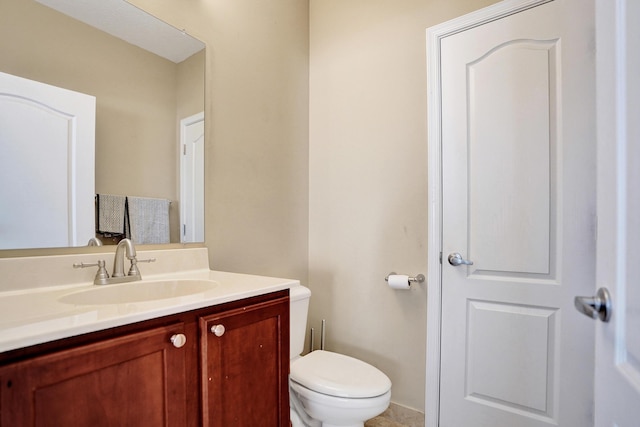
329,389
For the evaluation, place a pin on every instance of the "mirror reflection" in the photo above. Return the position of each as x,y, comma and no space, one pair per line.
149,122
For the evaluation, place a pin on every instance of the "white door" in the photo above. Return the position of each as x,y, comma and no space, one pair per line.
617,383
47,146
192,179
518,200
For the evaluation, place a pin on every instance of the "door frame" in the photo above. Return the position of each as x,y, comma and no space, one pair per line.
434,123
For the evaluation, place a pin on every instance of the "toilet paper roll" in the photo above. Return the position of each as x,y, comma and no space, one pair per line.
399,281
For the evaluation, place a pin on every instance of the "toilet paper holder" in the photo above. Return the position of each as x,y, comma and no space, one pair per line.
418,279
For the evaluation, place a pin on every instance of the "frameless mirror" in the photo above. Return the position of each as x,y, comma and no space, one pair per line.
147,78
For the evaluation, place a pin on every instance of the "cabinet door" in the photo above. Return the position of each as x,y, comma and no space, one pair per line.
245,366
137,379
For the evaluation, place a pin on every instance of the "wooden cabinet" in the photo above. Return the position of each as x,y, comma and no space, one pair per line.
119,381
246,365
135,375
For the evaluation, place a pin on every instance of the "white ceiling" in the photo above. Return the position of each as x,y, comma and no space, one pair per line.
127,22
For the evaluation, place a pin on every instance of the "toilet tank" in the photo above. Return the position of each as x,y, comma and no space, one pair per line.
298,310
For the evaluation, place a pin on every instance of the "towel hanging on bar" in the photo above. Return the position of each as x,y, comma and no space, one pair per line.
148,220
111,213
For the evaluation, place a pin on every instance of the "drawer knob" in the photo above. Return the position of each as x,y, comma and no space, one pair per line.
218,330
178,340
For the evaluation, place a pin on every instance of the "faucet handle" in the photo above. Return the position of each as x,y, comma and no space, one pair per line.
85,265
101,274
133,271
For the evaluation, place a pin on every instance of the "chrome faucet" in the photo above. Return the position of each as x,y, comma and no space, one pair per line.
118,276
94,241
118,261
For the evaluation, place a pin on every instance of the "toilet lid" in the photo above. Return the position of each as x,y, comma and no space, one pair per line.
339,375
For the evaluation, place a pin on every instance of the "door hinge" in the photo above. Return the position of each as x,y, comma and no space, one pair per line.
440,257
184,149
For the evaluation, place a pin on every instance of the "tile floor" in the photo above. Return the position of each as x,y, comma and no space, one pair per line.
397,416
383,422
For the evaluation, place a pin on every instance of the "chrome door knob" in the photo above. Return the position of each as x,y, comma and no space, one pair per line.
456,259
178,340
218,330
595,307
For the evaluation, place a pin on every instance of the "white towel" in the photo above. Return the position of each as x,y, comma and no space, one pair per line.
149,220
111,213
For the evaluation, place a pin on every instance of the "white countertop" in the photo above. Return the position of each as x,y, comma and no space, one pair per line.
36,315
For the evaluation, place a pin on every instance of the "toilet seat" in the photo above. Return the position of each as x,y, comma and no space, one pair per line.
338,375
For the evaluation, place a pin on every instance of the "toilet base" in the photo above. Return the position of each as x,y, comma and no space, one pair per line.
297,415
296,421
317,410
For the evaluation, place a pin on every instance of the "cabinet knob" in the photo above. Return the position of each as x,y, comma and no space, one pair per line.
218,330
178,340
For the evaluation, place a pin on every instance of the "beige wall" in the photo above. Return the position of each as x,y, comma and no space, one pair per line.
256,180
136,95
190,86
368,179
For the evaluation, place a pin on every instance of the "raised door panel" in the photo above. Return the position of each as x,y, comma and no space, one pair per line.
245,369
511,149
47,139
125,381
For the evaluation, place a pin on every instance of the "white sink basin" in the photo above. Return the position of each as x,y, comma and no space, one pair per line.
138,292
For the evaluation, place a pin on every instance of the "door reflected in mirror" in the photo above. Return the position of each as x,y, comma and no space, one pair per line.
192,178
141,97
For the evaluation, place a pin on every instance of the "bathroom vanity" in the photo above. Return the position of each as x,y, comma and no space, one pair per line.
220,358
